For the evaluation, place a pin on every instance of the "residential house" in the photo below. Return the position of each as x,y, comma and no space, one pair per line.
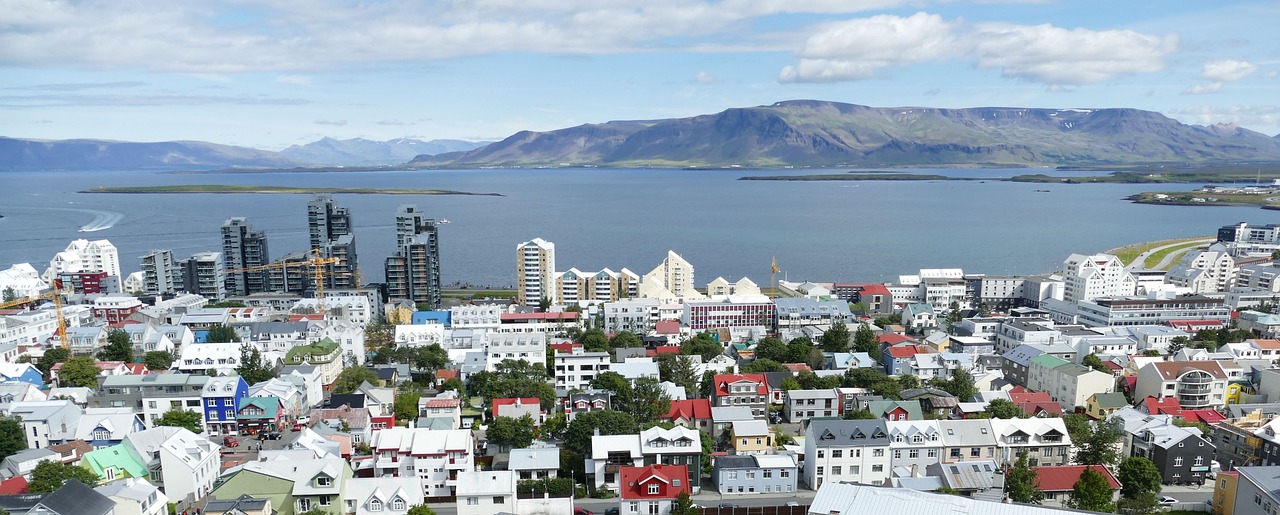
802,405
115,463
916,444
292,395
535,462
751,437
652,489
676,446
767,474
1183,455
575,370
46,422
152,394
178,461
22,372
23,462
243,505
1257,491
485,492
105,427
839,450
519,407
434,457
1058,482
743,390
1101,405
441,408
1224,492
692,413
326,355
591,400
609,455
291,485
1196,384
967,440
896,410
1044,440
381,495
135,496
257,414
74,498
354,421
221,399
1068,383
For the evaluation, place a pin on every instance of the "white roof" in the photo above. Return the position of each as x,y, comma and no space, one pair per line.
488,482
750,428
847,499
601,445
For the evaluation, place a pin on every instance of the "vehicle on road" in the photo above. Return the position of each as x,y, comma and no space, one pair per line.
582,511
613,511
270,435
792,503
728,505
230,441
297,427
1166,500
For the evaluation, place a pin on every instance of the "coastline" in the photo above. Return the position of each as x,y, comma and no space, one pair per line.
218,189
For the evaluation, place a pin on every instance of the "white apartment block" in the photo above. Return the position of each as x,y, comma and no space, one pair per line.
1258,277
916,444
85,256
1211,270
856,451
676,275
419,335
1241,239
531,347
638,316
1092,276
23,279
536,272
435,457
1152,309
1044,440
576,287
1196,384
1068,383
576,370
475,317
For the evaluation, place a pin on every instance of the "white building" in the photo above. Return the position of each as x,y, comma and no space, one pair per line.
576,370
180,462
198,359
535,272
85,256
475,317
431,456
23,279
675,274
1092,276
1211,270
529,347
855,451
348,335
419,335
638,316
381,495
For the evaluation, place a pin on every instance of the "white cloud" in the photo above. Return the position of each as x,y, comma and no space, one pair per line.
1227,70
336,123
858,49
298,80
1198,89
704,77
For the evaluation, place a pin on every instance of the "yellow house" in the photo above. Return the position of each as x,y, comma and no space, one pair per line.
1236,390
1101,405
1224,493
400,312
751,437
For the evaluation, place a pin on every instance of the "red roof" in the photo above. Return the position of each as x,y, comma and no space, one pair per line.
894,338
306,317
673,480
874,289
532,317
723,381
903,351
138,369
692,409
1021,397
1165,406
797,367
566,347
665,349
442,403
1115,367
1195,324
13,486
446,374
1035,408
513,401
668,327
1063,478
1207,416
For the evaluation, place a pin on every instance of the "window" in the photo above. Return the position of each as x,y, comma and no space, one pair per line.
499,499
768,474
375,505
819,471
955,453
877,468
786,473
731,474
897,454
1047,452
324,481
913,454
878,453
1177,462
932,453
213,402
653,489
836,470
473,501
975,452
751,474
835,453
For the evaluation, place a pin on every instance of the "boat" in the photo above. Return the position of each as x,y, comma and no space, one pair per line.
1042,191
444,221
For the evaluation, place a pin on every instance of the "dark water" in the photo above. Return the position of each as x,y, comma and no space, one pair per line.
847,231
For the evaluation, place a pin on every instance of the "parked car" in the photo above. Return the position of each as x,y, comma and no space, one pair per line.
613,511
269,435
582,511
727,506
230,441
297,427
1166,500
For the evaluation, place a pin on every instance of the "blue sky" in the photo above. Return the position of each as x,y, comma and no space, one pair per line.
272,73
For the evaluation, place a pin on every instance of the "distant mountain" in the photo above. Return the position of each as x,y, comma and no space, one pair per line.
818,133
361,152
87,154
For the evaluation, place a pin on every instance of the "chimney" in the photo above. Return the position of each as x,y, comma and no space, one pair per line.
915,470
597,431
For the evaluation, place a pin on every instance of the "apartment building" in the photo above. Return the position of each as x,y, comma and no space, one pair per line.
916,444
1086,277
638,316
855,451
575,370
728,313
435,457
1212,270
743,390
1154,309
536,272
1196,384
1067,383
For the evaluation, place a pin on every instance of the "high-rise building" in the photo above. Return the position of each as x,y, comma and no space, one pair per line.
675,273
1098,275
160,276
85,256
413,272
331,233
536,272
243,247
202,274
290,274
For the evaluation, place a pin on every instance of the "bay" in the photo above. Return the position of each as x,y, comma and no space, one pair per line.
615,218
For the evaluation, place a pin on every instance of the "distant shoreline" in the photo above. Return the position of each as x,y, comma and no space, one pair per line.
276,190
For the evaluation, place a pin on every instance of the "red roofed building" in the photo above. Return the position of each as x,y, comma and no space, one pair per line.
1207,416
667,327
665,349
1036,404
566,347
443,376
137,369
876,297
797,368
1165,406
13,486
895,338
533,318
747,390
692,413
519,407
1058,482
652,489
1191,326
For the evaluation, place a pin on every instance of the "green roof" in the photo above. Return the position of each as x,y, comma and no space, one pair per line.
1110,400
270,407
116,456
317,352
1049,361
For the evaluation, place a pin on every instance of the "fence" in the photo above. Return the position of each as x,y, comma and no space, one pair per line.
757,510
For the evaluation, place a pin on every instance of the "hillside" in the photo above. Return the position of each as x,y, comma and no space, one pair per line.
85,154
360,152
818,133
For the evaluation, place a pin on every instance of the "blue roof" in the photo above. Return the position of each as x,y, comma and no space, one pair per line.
432,317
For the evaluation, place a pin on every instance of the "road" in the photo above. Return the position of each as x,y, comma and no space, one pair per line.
707,498
1142,258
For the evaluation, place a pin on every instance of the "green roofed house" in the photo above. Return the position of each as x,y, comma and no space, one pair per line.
325,355
256,414
1068,383
115,462
293,486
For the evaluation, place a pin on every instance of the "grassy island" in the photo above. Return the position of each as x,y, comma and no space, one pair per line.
289,190
851,176
1207,198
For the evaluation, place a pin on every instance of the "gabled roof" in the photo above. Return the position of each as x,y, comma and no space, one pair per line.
76,498
1164,406
270,407
517,401
633,479
692,409
895,338
1113,400
722,382
1063,478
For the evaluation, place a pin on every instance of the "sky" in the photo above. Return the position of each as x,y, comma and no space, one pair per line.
274,73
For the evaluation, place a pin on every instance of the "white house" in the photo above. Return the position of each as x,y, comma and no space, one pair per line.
431,456
181,462
846,451
381,495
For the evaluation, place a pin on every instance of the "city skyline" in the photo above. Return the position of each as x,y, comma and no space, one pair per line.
273,74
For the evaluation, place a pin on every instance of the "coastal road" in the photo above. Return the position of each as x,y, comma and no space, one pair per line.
1142,258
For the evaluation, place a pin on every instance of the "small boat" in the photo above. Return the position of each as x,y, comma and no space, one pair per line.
444,221
1042,191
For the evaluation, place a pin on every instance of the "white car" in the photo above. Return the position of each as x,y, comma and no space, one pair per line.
1166,500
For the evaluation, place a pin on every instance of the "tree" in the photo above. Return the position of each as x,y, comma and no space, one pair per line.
1091,493
1021,484
771,348
707,386
960,385
861,414
764,365
80,371
836,339
789,384
708,448
1150,353
1178,343
594,340
953,313
680,370
648,400
50,475
432,357
219,333
577,437
684,505
1099,448
1138,475
1001,408
1078,427
118,348
11,438
702,345
554,427
510,433
351,378
798,350
182,418
454,384
864,340
52,357
1144,503
1094,362
10,294
625,339
157,360
252,368
407,403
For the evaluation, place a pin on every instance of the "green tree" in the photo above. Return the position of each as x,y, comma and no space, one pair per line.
764,365
1144,503
594,340
1021,484
620,386
1001,408
454,384
1078,427
836,339
11,438
648,400
554,427
407,403
1138,475
1100,448
1091,493
191,420
1177,344
953,313
219,333
684,505
252,368
577,437
798,350
790,383
79,371
431,357
702,345
1094,362
771,348
350,379
707,386
860,414
864,340
511,379
960,385
118,347
157,360
510,433
52,357
625,339
708,448
10,294
50,475
680,370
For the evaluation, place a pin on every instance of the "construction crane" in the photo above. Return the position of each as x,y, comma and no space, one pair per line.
54,294
316,262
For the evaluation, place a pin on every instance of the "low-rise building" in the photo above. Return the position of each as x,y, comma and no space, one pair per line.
839,450
767,474
743,390
653,488
434,457
802,405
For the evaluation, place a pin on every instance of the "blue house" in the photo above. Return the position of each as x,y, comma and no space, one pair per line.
444,318
221,396
24,372
104,428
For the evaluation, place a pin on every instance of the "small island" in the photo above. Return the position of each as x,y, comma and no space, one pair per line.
288,190
1266,198
852,176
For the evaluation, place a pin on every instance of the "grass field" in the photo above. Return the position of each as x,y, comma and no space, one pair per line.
1155,257
1128,253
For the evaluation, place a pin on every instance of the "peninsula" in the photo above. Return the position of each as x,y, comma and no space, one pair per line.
290,190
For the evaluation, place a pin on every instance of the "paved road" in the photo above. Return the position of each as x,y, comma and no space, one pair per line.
707,498
1142,258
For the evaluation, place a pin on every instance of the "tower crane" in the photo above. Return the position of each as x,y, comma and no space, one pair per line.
316,262
54,294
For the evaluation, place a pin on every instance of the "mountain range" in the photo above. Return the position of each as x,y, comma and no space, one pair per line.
87,154
819,133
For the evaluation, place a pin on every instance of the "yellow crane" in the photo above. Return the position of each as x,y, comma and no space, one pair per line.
54,294
316,262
